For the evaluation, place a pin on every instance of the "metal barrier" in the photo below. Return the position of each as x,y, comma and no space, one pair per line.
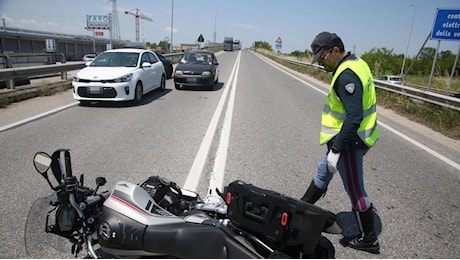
50,58
423,95
9,75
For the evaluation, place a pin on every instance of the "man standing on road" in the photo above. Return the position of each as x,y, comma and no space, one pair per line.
349,128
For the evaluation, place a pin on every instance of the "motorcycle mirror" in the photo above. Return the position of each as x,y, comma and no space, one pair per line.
100,181
42,162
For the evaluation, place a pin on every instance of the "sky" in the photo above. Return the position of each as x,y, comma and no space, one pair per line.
362,24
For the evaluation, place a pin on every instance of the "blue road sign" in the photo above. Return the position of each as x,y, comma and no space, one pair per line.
446,25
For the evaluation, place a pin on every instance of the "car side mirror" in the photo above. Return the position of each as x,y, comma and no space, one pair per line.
146,64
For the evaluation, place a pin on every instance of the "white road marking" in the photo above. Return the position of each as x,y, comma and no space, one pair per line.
32,118
193,177
217,177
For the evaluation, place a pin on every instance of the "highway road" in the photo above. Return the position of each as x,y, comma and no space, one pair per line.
260,125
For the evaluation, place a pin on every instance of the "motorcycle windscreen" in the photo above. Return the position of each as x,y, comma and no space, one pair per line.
38,243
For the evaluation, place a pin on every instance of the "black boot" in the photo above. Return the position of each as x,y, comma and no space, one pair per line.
367,241
313,194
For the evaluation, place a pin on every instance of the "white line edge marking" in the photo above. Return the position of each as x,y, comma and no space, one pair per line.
193,177
405,137
30,119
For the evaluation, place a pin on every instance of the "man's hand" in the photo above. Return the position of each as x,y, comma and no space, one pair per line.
332,159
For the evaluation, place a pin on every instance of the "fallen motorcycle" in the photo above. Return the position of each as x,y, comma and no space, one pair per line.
159,219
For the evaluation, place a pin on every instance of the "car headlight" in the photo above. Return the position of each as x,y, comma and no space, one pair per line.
206,73
178,72
125,78
76,79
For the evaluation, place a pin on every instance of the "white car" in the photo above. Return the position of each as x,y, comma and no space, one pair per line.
119,75
88,57
392,79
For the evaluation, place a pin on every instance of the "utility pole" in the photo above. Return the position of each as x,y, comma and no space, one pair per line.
408,41
172,26
114,26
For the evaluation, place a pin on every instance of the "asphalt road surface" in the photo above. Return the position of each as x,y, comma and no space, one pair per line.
260,125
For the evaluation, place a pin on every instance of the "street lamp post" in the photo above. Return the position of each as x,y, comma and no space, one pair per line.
408,41
172,26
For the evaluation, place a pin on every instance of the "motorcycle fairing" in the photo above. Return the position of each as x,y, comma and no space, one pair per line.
132,223
135,203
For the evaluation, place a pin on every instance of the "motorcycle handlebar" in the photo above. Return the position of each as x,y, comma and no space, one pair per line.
68,164
98,199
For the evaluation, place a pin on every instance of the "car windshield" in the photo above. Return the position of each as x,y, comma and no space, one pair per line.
198,57
116,59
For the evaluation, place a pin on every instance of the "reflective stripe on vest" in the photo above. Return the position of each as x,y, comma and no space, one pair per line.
334,113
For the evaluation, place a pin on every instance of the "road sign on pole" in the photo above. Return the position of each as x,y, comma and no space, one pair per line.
279,43
446,25
201,38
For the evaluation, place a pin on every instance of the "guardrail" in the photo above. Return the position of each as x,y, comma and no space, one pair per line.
419,94
9,75
7,59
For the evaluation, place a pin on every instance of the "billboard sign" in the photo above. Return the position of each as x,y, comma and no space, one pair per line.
446,25
97,22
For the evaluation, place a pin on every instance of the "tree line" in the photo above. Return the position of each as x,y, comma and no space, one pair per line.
384,61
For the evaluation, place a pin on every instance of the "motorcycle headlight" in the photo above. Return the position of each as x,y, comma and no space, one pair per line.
125,78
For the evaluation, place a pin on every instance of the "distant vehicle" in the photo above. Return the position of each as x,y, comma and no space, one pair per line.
197,68
236,44
88,57
166,63
392,79
228,43
119,75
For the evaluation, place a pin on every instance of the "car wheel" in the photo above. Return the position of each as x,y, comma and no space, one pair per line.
169,72
211,86
163,82
85,103
138,93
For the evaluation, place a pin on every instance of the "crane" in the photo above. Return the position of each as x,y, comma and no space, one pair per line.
138,14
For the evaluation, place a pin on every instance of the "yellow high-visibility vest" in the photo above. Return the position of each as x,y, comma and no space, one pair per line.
334,113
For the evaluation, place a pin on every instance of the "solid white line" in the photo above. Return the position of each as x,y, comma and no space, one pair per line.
194,174
27,120
422,146
217,177
405,137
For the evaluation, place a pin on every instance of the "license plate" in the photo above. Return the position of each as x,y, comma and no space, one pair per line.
94,90
192,80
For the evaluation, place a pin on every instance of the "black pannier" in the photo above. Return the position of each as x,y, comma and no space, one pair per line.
279,221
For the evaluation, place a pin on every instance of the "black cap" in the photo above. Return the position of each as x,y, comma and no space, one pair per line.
322,41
